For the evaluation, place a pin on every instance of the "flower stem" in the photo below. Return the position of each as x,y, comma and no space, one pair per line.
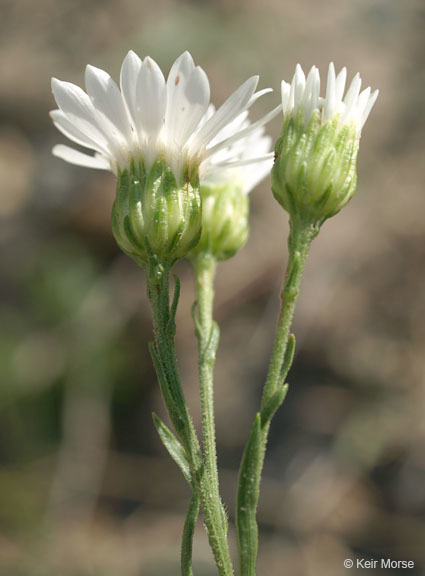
274,392
299,241
207,332
164,357
207,335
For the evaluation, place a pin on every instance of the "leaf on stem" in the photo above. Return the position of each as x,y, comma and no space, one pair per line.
288,358
210,350
247,500
273,404
188,531
175,449
195,318
170,402
171,325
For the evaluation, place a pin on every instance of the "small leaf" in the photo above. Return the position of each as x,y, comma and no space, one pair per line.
247,500
210,350
171,325
175,449
198,327
170,401
288,358
273,404
188,531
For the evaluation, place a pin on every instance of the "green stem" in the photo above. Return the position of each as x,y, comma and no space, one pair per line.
164,357
207,332
299,241
207,343
300,238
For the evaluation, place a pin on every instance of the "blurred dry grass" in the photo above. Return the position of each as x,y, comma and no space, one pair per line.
85,486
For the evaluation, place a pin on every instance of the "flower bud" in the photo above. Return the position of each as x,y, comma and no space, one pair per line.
314,174
315,169
153,215
225,227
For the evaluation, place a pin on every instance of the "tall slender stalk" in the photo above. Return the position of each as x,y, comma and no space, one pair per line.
274,392
164,358
207,332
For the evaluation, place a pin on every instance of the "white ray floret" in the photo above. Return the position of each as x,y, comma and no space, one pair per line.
150,117
304,94
240,154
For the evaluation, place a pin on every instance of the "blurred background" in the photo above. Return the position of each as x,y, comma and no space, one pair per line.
86,488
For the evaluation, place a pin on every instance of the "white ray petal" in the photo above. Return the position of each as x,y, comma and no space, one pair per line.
108,102
70,130
245,132
78,108
340,84
315,89
232,107
310,94
188,95
151,98
285,89
330,100
177,80
299,85
368,108
292,104
245,161
351,97
258,95
130,70
75,157
361,105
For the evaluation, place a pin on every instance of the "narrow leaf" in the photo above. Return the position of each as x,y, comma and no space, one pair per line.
247,499
273,404
210,350
188,532
288,358
175,449
169,400
198,327
172,321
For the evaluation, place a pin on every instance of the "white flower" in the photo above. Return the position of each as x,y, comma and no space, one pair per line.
304,95
150,118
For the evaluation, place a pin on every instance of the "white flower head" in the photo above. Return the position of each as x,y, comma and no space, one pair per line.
149,117
304,94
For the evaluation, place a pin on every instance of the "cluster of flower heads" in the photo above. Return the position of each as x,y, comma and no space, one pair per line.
149,116
168,145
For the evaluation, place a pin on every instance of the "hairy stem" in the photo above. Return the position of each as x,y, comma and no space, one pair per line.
164,357
207,333
300,238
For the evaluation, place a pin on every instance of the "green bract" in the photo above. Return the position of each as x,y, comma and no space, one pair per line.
314,174
225,227
154,215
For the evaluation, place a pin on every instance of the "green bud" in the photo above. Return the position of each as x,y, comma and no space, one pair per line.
153,215
225,227
314,174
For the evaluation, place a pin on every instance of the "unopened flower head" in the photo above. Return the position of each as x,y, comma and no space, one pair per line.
225,204
153,135
315,172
